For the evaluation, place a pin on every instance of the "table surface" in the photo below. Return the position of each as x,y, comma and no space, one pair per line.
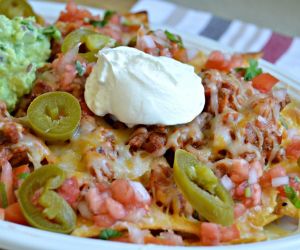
278,15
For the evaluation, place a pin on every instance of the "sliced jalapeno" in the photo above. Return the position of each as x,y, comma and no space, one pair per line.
14,8
57,215
74,38
54,115
93,41
202,189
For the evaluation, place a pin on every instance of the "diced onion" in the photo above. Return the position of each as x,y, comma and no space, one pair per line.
227,182
141,193
253,178
148,42
280,181
280,94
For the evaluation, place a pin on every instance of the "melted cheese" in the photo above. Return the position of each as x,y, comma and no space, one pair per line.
99,147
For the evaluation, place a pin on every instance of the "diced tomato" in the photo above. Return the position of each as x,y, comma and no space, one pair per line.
239,210
239,171
73,14
293,148
274,172
17,174
264,82
69,190
229,233
14,214
255,197
104,220
122,191
235,61
115,209
179,54
216,60
239,191
210,234
281,191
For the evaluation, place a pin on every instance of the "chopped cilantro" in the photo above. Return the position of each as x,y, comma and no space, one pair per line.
97,23
107,15
174,38
52,32
108,233
23,176
3,195
80,68
291,194
253,70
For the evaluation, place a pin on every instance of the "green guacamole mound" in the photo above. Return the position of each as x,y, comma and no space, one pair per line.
23,49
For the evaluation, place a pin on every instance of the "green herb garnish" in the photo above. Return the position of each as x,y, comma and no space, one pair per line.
52,32
107,15
253,70
108,233
174,38
3,195
23,176
80,68
291,194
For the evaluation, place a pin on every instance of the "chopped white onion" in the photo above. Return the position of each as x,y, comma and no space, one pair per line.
253,177
279,94
84,210
280,181
141,193
148,42
227,182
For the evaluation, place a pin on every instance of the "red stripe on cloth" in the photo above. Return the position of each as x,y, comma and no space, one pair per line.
276,46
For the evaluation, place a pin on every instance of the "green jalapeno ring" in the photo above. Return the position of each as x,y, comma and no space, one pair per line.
74,38
57,215
211,200
93,41
54,115
12,8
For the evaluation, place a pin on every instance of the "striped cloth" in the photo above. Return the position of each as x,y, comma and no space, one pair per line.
279,49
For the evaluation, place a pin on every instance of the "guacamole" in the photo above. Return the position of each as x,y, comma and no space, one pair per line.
23,49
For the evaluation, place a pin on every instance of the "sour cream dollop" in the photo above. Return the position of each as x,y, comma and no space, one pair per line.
138,88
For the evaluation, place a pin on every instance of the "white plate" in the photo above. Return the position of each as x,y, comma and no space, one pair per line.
16,237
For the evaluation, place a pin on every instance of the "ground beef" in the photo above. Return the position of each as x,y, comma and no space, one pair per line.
9,133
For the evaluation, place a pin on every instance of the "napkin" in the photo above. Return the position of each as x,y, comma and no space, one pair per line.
281,50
